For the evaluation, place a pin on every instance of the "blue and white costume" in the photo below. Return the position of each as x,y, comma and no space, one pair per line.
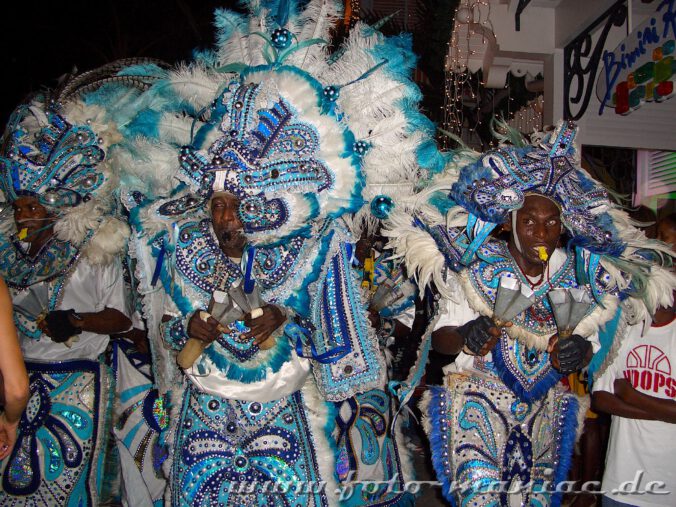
272,118
56,149
56,156
501,419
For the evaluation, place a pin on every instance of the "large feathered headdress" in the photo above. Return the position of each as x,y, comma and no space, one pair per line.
295,131
55,149
613,256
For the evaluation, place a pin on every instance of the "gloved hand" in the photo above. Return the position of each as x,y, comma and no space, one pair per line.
478,334
570,354
59,326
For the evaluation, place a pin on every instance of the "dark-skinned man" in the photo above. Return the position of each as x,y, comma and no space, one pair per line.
228,230
245,382
60,253
93,303
639,390
535,227
502,426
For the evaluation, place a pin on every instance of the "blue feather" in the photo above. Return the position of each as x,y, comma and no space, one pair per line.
145,124
278,356
438,442
441,201
566,446
536,391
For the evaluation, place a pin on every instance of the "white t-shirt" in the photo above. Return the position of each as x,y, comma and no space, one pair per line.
88,289
638,445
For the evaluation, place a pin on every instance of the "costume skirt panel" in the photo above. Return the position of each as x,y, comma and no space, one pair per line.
487,443
59,456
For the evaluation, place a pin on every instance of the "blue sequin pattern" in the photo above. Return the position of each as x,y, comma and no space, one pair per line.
240,453
525,370
484,440
60,437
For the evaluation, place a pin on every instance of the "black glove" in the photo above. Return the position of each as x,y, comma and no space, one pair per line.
60,327
475,333
572,353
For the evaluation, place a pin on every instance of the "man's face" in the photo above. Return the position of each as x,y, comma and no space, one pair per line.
33,216
225,219
538,223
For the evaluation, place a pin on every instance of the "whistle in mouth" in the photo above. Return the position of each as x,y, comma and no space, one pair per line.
23,233
542,253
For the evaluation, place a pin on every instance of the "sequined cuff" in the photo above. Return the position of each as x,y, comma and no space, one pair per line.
174,332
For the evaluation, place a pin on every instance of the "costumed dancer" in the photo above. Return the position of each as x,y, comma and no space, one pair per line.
391,298
61,258
285,130
522,311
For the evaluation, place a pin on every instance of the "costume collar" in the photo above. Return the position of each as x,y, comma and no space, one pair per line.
480,282
200,259
56,259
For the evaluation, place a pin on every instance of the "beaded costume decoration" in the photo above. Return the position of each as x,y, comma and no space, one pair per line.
611,256
60,447
293,132
238,453
502,417
56,148
477,455
140,419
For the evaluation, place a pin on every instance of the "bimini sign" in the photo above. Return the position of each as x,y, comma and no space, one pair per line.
642,68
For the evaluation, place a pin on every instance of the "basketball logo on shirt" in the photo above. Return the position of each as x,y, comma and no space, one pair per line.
649,370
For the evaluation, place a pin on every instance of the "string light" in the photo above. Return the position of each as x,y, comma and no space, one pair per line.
528,119
471,19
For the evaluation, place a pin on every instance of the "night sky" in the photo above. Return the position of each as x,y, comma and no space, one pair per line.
42,40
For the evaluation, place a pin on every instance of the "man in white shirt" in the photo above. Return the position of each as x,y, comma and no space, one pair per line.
92,302
521,312
60,255
639,390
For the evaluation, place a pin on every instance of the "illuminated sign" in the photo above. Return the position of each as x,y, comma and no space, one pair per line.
642,68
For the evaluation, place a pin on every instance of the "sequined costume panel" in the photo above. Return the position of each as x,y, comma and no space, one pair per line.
236,453
140,420
200,261
484,439
59,453
367,451
523,366
202,268
19,270
343,333
495,261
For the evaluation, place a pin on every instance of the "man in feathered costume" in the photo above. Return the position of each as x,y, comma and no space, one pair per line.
61,253
60,258
522,312
286,131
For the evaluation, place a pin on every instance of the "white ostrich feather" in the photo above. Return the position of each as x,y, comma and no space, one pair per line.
97,117
110,239
318,18
177,130
231,37
147,166
196,84
75,223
